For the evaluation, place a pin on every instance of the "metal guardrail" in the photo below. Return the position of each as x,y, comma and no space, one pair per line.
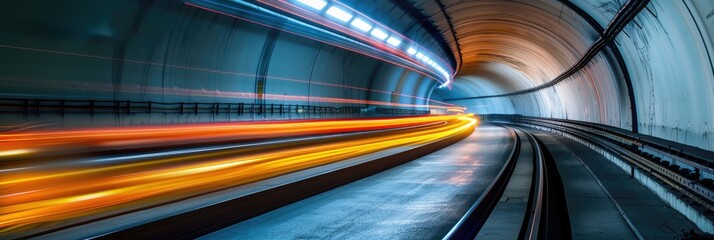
685,184
675,153
688,183
92,107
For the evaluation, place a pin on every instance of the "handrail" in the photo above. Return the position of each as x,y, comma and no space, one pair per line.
675,149
68,106
690,184
692,188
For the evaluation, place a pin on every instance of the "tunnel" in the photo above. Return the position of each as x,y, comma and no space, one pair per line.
357,119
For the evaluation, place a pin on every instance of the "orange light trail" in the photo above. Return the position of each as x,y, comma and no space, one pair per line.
36,200
18,144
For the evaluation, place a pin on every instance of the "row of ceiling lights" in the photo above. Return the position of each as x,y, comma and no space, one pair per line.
367,26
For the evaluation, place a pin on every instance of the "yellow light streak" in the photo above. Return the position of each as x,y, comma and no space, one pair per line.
43,200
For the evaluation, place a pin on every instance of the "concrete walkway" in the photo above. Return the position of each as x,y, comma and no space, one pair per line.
596,187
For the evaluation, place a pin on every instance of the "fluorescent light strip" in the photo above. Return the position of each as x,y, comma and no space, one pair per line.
379,34
394,41
361,25
316,4
339,14
411,51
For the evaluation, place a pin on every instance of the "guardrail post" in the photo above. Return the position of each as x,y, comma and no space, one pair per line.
632,171
25,104
91,107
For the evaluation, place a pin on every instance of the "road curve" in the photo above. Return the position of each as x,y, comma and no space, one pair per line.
422,199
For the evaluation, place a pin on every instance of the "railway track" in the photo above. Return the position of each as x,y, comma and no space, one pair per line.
545,215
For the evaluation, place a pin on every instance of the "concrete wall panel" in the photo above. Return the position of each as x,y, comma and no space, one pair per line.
166,51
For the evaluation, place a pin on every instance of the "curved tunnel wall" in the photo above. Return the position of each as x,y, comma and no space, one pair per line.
594,94
166,51
516,45
667,49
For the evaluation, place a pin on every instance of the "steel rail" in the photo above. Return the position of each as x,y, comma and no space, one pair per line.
475,218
